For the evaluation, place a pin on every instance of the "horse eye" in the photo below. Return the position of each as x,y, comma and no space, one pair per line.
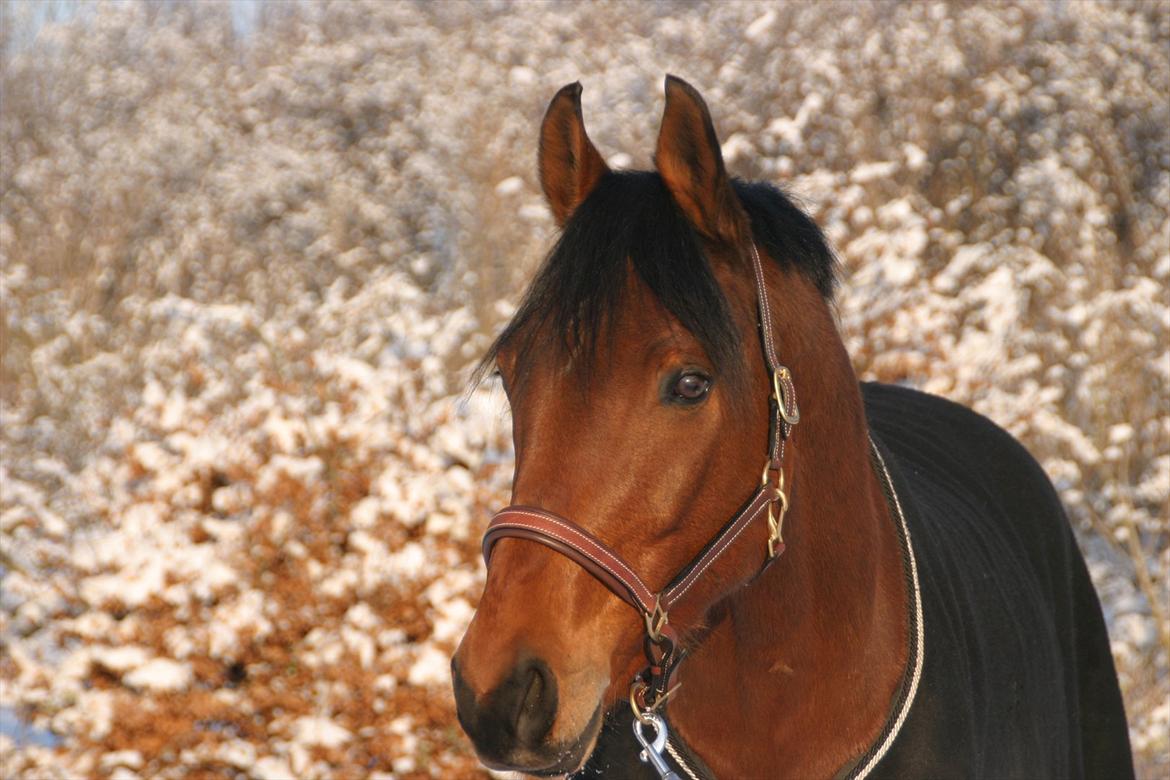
691,387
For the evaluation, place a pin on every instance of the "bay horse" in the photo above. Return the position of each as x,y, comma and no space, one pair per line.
727,558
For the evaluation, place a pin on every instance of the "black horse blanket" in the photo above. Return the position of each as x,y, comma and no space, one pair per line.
1017,679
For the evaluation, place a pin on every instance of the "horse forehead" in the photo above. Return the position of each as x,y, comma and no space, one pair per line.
642,343
647,334
644,325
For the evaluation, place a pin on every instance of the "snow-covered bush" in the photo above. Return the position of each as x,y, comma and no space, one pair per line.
243,275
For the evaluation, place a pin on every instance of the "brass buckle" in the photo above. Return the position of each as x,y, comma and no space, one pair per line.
789,412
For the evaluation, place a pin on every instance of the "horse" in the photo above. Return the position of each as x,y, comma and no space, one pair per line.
725,556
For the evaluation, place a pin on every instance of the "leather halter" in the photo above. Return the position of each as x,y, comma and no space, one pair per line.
608,566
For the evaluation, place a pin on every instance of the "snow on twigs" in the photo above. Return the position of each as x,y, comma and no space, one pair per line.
243,278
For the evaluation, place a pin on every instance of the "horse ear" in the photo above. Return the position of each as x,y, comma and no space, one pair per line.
689,160
570,166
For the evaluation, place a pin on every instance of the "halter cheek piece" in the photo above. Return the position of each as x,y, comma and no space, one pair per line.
651,688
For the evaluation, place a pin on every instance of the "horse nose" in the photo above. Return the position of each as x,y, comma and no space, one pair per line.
537,698
517,714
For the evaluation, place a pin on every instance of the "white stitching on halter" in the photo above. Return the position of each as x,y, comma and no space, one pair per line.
765,309
693,577
555,521
546,532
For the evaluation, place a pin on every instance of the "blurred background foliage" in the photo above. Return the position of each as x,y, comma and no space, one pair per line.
248,251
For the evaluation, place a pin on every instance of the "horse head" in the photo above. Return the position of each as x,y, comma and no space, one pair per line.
640,410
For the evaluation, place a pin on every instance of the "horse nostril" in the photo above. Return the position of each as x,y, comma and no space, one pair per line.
517,714
531,699
538,704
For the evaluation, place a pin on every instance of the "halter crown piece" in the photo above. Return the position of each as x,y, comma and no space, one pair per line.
652,686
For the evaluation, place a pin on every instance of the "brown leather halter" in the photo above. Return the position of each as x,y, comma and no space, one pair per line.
607,565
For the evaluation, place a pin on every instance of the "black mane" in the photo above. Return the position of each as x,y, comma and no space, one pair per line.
632,216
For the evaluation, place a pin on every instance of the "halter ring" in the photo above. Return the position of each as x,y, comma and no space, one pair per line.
641,711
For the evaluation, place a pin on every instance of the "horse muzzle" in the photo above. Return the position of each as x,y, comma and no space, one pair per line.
510,725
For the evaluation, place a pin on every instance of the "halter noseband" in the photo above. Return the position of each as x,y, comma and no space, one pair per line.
652,686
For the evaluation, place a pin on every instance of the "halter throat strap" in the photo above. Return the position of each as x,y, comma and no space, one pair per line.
785,412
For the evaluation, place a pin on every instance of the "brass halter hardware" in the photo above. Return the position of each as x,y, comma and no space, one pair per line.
642,710
656,621
637,704
775,519
782,378
776,525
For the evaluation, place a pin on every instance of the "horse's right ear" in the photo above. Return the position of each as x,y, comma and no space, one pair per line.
570,166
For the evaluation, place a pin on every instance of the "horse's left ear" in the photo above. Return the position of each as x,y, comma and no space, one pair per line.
689,160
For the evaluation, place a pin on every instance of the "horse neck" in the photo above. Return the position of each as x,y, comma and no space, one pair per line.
816,646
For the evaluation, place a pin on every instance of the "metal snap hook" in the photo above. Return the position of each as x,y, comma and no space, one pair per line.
652,749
